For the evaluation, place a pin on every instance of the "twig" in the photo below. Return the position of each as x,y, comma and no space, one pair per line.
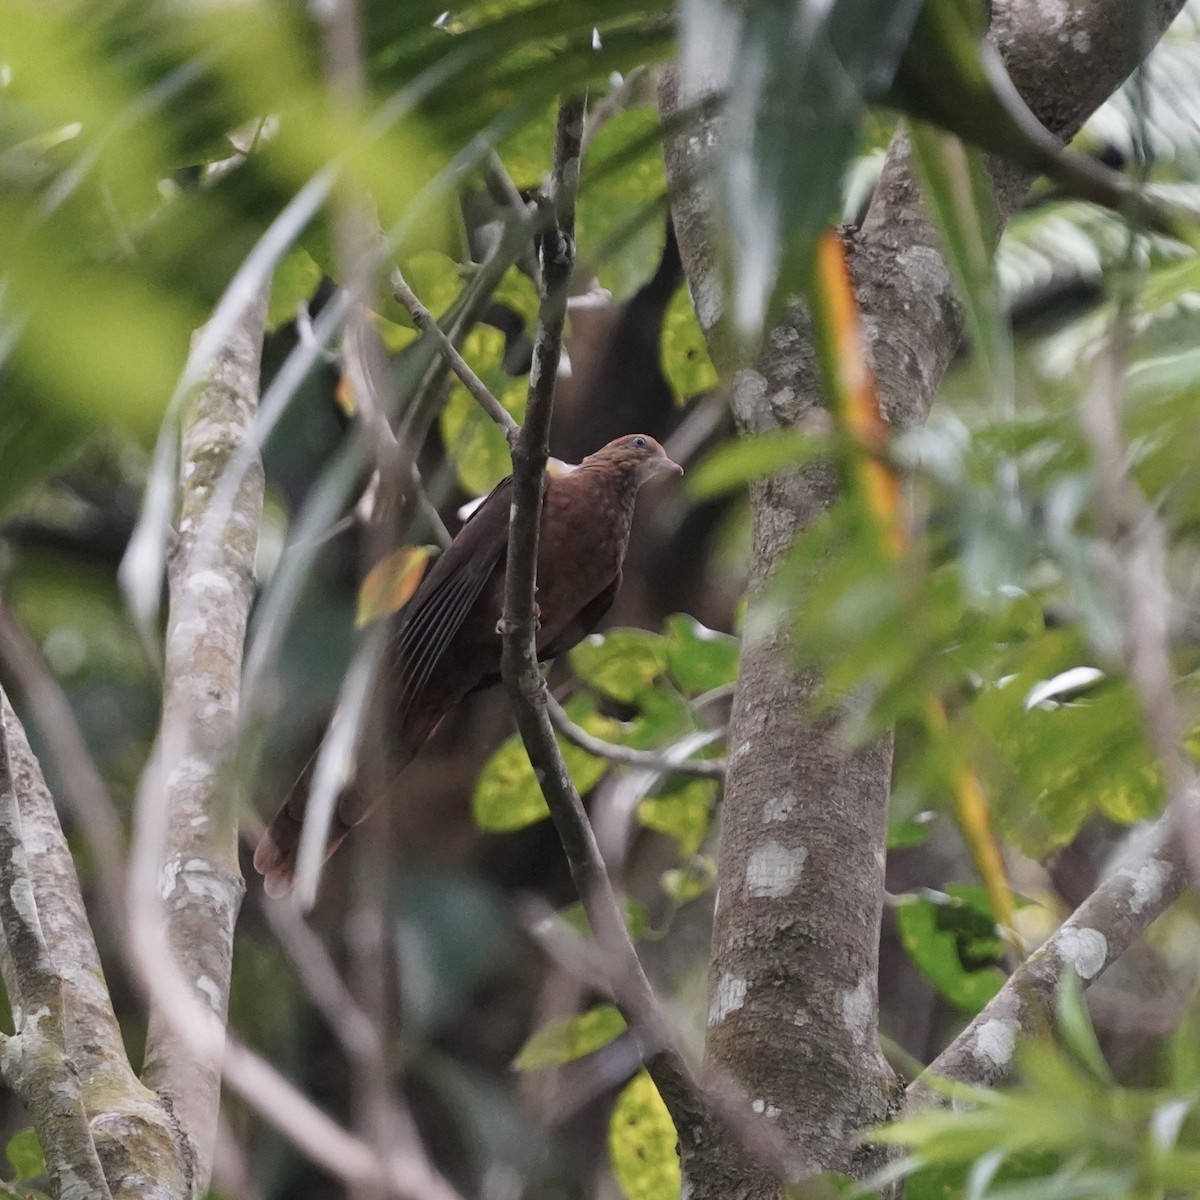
427,325
634,89
322,1139
666,762
354,1030
1152,875
502,190
34,1059
405,1171
688,1105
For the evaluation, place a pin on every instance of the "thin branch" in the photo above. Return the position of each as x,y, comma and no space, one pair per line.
34,1059
504,191
426,323
666,762
349,1024
185,886
1151,876
322,1139
690,1107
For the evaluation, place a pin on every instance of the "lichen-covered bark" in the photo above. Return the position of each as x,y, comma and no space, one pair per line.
134,1135
211,586
793,1003
34,1060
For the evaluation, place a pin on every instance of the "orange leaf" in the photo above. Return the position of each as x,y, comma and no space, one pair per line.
390,583
344,395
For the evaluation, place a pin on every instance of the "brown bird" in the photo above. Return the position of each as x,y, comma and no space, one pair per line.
446,643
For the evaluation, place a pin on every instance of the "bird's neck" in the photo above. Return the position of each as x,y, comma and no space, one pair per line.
614,490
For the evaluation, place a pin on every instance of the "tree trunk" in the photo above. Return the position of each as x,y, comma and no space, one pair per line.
793,1013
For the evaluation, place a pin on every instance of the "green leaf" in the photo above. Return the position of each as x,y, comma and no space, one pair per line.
35,440
507,794
641,1143
437,281
1075,1027
296,279
700,659
622,663
684,812
473,441
691,881
684,352
24,1152
754,456
567,1040
622,172
796,79
953,942
637,918
956,184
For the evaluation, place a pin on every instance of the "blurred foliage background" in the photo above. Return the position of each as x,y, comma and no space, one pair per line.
145,151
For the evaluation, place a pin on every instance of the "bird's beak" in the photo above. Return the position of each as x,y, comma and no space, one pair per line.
667,466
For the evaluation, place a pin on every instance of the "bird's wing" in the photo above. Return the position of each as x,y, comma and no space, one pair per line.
437,611
588,617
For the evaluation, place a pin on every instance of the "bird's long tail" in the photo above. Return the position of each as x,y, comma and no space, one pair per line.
279,847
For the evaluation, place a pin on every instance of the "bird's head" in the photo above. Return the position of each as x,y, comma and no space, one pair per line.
639,454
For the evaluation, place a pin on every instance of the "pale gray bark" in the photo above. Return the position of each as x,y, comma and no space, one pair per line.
793,1010
34,1059
198,883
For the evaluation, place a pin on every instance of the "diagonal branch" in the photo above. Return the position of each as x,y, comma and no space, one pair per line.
519,659
674,760
427,324
1151,877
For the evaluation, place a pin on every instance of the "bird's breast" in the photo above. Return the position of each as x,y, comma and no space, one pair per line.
584,535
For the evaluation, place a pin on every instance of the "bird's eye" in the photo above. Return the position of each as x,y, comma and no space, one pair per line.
640,443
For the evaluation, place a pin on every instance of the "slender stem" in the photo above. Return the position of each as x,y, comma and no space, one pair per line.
427,325
698,1115
667,761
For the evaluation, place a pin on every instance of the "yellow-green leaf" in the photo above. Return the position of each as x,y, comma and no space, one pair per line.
622,663
690,881
641,1143
390,583
474,442
685,360
295,280
700,658
508,796
565,1041
682,813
